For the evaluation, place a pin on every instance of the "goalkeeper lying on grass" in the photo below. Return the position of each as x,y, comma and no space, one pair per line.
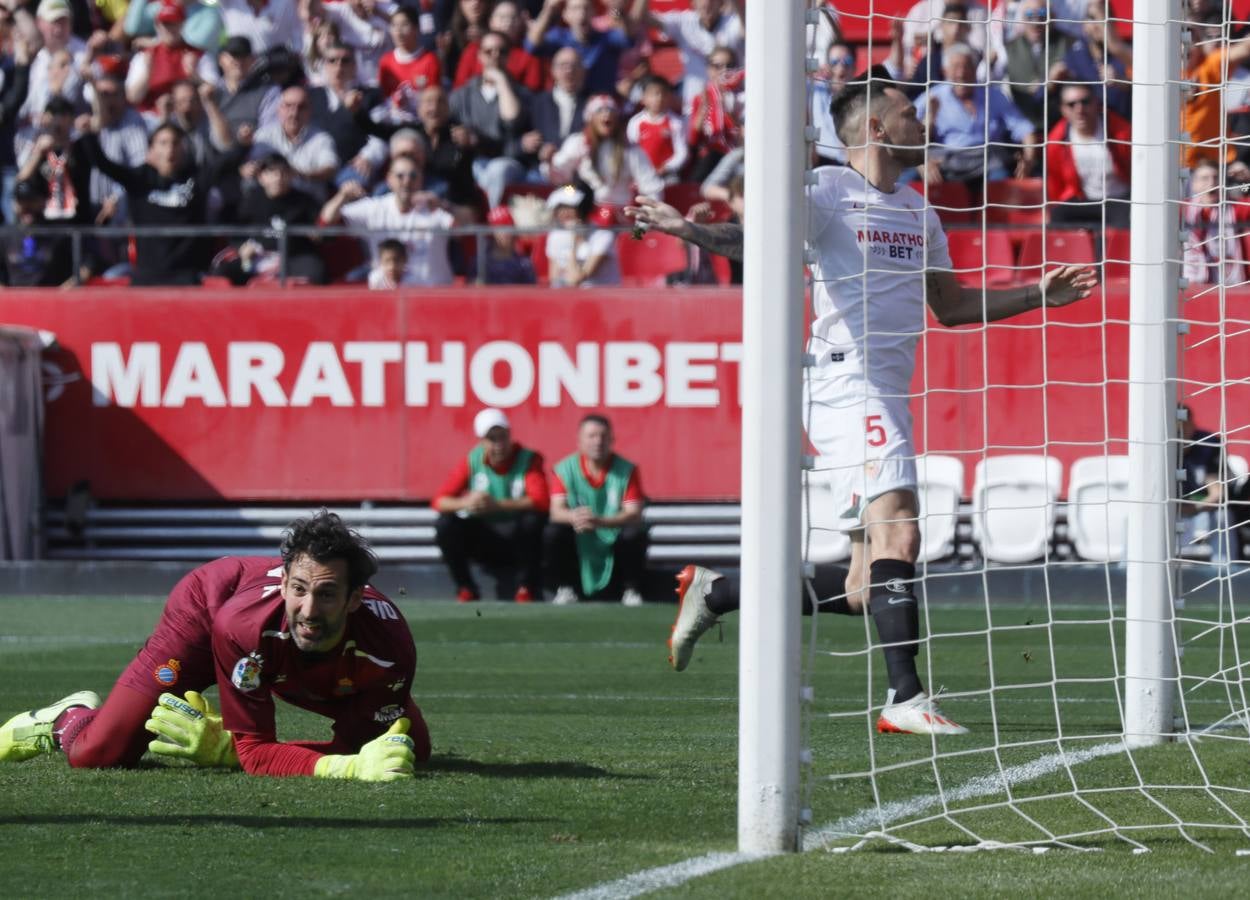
306,628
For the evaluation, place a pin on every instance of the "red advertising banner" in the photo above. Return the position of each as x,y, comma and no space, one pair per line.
346,394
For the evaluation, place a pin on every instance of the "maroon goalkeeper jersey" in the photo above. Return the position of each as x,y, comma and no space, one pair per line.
362,685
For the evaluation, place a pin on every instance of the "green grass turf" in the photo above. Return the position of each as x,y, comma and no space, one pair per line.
567,754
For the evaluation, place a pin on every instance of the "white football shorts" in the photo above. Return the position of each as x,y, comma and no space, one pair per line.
864,441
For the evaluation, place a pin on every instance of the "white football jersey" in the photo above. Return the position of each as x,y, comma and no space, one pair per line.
870,250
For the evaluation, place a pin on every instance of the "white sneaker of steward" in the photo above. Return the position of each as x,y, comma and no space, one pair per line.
919,715
693,615
565,596
631,598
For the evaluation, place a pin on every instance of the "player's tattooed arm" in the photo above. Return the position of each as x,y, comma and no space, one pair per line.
724,238
954,304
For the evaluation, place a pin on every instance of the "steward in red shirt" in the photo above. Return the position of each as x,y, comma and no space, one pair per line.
492,508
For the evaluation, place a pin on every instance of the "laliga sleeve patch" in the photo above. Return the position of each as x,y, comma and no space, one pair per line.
246,674
166,674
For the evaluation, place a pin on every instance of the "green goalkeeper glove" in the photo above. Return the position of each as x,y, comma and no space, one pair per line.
190,729
387,757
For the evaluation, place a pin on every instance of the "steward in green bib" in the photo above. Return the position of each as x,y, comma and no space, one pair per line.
595,541
492,509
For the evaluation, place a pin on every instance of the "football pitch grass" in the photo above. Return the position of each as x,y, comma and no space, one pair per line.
567,755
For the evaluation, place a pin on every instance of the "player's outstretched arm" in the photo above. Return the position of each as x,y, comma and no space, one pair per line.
954,304
724,238
190,729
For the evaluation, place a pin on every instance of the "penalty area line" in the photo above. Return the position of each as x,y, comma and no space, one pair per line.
872,817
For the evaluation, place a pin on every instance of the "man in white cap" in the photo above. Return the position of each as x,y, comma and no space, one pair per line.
55,68
492,509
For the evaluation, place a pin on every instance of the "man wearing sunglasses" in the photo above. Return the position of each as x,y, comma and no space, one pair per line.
1088,159
821,90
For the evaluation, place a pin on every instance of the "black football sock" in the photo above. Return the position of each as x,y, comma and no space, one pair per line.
829,584
892,602
722,596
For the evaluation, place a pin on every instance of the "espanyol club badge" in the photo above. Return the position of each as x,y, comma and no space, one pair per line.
166,674
246,674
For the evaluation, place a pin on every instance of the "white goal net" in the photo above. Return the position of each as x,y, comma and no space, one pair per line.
1081,570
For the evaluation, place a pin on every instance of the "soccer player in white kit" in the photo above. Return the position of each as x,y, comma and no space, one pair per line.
880,255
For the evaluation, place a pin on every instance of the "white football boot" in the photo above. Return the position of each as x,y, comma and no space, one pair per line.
919,715
693,615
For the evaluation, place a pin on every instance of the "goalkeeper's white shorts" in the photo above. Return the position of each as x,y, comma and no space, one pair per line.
864,441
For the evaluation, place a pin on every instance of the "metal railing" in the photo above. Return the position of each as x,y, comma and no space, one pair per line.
79,234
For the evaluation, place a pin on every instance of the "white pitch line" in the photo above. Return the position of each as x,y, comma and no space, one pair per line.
866,819
663,877
874,818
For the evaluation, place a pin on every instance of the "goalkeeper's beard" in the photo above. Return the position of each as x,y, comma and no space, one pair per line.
317,634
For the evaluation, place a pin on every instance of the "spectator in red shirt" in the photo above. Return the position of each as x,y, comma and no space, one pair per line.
523,67
715,115
1088,162
409,62
657,132
154,72
306,627
492,508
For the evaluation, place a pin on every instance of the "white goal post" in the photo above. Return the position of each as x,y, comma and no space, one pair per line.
772,327
1143,686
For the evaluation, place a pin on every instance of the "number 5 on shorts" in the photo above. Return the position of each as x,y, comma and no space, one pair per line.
875,431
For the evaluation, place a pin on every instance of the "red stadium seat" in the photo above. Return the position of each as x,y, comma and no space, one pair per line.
720,265
976,252
1015,201
648,262
952,201
1055,248
1116,253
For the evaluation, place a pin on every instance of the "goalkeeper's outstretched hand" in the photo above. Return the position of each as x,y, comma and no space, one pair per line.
388,757
190,729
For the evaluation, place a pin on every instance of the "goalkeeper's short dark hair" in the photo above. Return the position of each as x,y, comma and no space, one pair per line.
853,100
324,537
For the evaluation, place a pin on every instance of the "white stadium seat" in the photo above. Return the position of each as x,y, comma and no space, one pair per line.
1013,506
823,542
940,487
1097,507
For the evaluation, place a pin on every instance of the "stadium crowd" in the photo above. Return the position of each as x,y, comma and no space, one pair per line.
404,120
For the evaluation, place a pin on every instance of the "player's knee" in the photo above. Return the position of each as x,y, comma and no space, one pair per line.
898,540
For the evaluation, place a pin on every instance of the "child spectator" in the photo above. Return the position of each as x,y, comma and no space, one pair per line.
505,262
576,258
657,132
409,62
391,269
